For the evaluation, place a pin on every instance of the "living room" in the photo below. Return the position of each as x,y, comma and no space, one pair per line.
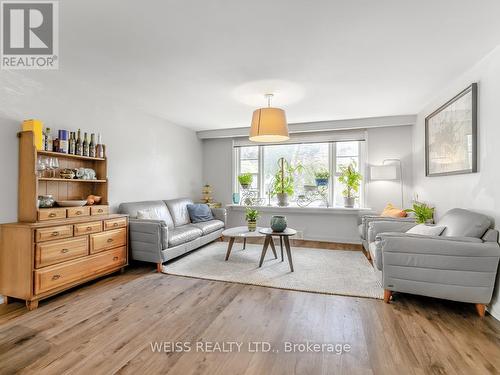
300,187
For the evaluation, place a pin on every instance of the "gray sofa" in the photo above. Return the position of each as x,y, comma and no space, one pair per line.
365,220
173,234
461,264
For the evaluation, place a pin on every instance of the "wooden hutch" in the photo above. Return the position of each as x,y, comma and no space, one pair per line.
53,249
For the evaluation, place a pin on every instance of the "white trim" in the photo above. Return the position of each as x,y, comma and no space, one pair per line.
303,210
361,123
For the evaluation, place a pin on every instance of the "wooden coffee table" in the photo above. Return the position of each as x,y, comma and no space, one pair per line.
269,233
244,233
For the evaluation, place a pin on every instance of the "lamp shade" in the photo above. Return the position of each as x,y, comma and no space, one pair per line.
383,172
269,125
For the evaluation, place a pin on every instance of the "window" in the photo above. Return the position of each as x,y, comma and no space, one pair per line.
262,163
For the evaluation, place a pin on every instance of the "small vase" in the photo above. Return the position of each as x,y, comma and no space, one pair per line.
349,202
282,199
252,225
322,182
278,223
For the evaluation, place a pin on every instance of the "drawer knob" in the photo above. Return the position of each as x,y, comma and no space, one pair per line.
56,277
52,214
54,234
64,251
99,210
78,212
115,224
89,228
110,240
115,258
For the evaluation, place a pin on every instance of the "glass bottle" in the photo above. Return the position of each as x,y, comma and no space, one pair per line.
85,144
99,147
92,145
79,144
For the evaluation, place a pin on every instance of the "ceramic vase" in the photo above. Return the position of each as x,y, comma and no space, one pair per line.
278,223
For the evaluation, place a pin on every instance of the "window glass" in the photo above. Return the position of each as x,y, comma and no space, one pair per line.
304,158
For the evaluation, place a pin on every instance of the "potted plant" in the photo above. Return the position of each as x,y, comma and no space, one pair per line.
322,177
251,216
245,180
351,180
283,181
423,213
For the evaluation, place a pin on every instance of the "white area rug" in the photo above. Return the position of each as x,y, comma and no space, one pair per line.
346,273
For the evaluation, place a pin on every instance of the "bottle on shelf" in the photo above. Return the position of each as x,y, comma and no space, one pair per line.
55,145
44,139
92,145
48,140
85,144
99,147
79,145
72,143
63,141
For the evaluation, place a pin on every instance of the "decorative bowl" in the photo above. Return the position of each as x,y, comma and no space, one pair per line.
71,203
46,201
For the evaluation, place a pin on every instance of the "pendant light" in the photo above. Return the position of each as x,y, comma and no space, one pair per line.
269,124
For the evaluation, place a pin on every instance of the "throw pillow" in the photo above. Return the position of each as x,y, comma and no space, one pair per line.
426,230
391,211
199,212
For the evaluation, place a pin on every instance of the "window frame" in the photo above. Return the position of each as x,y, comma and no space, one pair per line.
332,162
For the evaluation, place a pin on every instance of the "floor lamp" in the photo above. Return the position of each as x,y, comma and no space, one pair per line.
389,172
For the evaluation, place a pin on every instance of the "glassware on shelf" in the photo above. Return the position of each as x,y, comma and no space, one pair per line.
41,166
53,166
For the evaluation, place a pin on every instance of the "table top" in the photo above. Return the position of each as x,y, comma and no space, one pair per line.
286,232
242,232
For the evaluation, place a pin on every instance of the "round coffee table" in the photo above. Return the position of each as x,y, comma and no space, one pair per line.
242,232
269,233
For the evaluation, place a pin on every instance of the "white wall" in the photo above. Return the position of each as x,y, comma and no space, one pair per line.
479,191
149,158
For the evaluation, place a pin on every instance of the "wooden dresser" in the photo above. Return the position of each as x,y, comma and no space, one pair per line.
53,249
38,260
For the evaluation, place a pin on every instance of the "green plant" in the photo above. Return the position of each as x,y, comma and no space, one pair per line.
422,212
283,182
245,179
322,174
252,214
351,179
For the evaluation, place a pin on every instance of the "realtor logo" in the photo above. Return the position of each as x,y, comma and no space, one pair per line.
29,35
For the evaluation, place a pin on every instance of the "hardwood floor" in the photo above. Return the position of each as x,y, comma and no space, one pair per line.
108,327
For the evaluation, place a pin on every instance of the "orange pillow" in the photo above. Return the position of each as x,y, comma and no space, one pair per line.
391,211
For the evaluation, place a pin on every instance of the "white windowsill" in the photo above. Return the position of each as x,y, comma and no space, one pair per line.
303,210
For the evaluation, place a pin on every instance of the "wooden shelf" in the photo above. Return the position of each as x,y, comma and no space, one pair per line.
70,156
70,180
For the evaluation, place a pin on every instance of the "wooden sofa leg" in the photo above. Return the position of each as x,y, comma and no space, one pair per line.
387,295
159,267
481,309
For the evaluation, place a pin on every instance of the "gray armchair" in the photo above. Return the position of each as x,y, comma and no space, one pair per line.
365,221
461,264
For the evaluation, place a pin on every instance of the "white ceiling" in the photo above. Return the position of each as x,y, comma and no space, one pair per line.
204,64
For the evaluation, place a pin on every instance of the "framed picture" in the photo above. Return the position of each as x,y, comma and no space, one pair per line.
451,136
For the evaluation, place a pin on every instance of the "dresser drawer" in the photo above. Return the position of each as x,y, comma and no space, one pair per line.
88,228
115,223
53,233
48,253
52,277
78,211
99,210
51,214
108,240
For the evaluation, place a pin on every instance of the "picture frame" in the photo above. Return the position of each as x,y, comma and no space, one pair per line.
451,136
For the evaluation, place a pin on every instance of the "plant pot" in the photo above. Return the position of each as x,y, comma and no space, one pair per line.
278,223
245,186
282,199
252,225
322,182
349,202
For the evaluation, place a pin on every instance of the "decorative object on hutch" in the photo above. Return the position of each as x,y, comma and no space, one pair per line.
53,249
